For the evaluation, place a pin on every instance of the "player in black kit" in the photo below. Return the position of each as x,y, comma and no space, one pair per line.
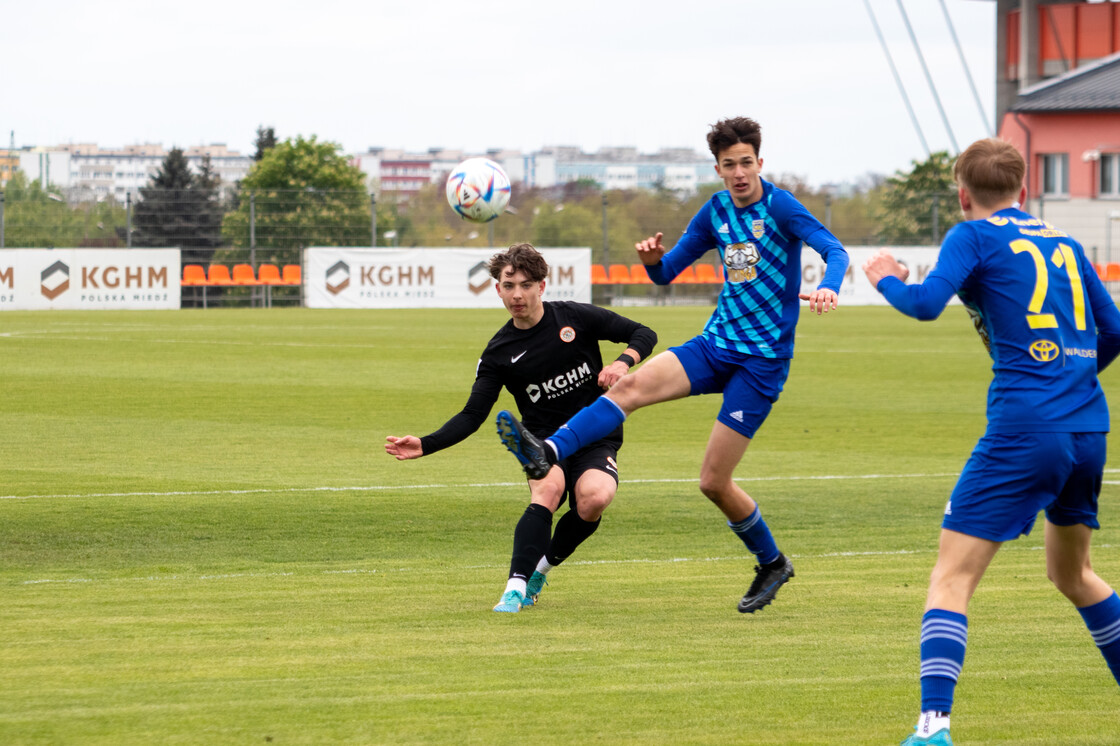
547,356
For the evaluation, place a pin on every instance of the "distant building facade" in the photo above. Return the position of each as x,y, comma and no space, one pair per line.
86,172
1058,101
401,173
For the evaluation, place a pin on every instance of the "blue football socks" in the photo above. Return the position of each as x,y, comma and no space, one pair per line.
597,420
1103,621
756,535
944,639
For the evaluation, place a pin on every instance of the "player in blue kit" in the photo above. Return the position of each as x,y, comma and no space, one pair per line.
744,351
1050,327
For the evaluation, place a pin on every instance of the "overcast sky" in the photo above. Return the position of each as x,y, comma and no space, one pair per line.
434,73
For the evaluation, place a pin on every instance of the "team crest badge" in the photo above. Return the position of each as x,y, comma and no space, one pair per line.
758,228
567,334
739,260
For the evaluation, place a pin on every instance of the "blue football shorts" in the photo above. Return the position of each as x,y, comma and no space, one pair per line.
1011,476
750,384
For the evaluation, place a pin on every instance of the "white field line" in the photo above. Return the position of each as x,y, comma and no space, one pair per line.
476,485
371,488
1009,547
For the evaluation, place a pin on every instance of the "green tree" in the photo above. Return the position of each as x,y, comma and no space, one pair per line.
180,208
919,206
266,140
38,218
302,193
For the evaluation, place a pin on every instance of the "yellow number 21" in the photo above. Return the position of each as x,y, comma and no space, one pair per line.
1062,257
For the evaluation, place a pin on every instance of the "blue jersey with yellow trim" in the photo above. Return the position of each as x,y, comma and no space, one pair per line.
1037,302
760,248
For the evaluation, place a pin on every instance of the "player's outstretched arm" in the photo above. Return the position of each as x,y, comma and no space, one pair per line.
404,448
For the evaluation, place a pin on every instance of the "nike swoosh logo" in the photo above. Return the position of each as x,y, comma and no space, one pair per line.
515,358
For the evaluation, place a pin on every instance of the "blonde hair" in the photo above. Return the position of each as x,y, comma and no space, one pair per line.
991,170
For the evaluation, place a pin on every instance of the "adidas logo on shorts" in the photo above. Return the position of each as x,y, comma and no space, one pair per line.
737,415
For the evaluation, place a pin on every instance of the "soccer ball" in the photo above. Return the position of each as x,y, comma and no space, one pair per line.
478,189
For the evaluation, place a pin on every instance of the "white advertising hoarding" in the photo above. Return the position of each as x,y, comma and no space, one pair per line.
427,277
856,290
101,279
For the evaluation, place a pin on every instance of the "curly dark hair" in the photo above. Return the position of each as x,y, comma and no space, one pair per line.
728,132
521,257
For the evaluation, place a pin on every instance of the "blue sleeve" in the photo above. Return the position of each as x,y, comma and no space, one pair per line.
696,241
1106,316
796,219
923,301
834,255
958,258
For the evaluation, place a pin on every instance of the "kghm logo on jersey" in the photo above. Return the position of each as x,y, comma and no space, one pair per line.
567,334
559,385
1044,350
739,260
758,228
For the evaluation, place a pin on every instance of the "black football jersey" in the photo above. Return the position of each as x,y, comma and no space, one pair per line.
551,370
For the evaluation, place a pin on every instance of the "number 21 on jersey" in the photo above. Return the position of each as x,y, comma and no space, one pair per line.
1063,258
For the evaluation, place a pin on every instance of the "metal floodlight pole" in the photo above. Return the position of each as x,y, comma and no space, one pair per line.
897,79
128,219
936,222
1,219
373,219
967,71
929,78
252,221
606,241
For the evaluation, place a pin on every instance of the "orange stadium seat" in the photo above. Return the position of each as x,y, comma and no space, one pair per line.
292,274
194,274
687,277
706,273
619,274
1112,272
638,275
219,275
1099,268
243,275
269,274
599,275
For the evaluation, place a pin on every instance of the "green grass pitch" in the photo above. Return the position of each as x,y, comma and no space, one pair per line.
202,541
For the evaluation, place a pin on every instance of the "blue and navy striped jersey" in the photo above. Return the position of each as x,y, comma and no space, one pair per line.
760,248
1041,310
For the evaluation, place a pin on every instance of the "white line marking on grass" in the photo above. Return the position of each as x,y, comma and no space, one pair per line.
375,571
254,491
477,485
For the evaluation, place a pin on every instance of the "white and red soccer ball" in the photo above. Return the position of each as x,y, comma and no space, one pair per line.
478,189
